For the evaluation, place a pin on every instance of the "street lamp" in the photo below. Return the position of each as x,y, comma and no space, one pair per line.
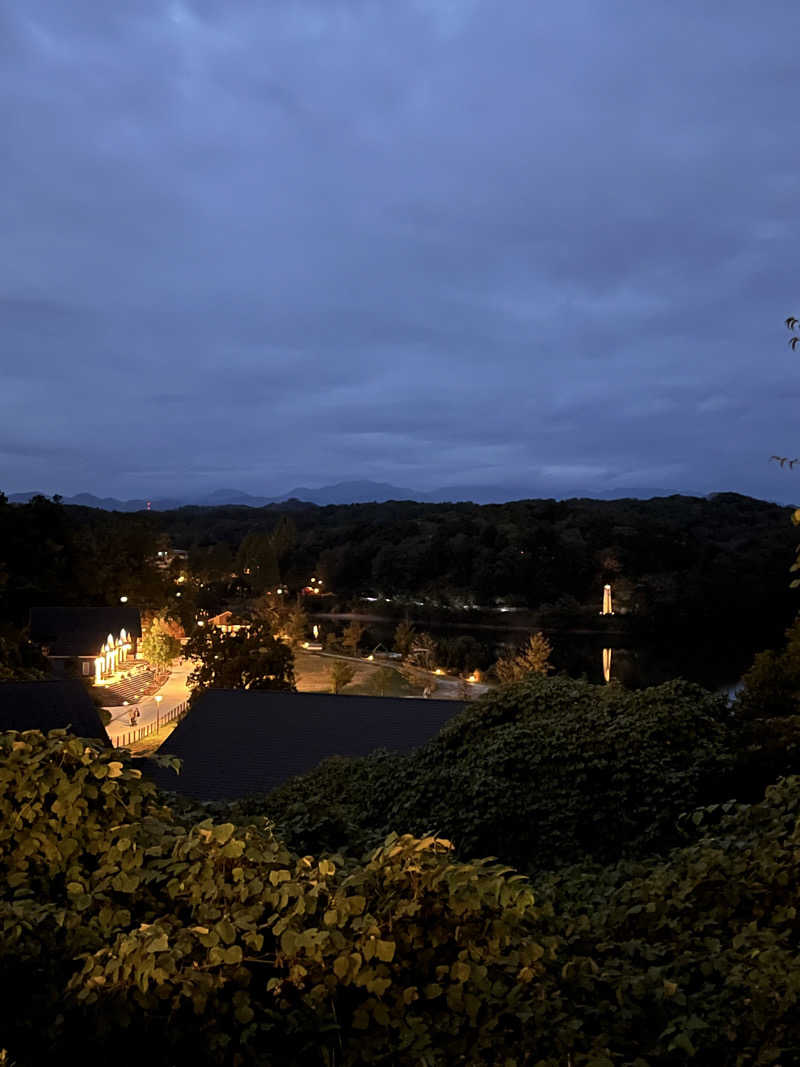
158,699
123,600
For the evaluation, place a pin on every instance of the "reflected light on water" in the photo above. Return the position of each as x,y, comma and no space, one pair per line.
607,664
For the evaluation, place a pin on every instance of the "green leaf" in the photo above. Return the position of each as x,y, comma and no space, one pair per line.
385,951
233,954
222,834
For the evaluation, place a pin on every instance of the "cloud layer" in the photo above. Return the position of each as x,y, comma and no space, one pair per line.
436,242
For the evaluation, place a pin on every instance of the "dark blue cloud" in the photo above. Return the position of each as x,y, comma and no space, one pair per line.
433,242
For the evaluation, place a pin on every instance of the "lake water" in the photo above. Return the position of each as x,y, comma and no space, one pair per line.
596,657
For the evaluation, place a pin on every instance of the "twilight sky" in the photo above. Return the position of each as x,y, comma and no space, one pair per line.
547,243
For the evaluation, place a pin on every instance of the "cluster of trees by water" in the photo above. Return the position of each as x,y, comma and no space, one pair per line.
676,553
672,561
708,577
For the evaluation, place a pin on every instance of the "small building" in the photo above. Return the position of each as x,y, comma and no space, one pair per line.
239,742
50,705
165,557
100,640
224,621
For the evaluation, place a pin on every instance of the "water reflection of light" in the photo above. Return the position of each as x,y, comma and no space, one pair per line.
607,664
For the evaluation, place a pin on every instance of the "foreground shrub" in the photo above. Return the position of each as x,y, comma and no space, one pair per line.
540,773
771,687
129,933
695,957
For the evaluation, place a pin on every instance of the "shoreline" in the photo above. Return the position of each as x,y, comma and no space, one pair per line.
363,617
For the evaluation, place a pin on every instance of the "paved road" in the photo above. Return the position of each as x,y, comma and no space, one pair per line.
173,691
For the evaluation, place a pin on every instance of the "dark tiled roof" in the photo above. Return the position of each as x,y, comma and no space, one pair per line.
81,631
50,706
237,742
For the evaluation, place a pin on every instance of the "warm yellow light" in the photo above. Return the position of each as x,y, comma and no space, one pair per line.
438,671
370,657
607,608
158,698
607,656
123,600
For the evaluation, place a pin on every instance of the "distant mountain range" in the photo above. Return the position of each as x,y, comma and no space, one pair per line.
357,492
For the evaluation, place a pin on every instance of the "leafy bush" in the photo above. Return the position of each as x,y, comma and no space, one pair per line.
540,773
693,957
341,674
133,932
771,687
130,932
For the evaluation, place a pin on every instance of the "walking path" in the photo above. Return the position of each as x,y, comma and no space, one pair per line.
174,694
446,687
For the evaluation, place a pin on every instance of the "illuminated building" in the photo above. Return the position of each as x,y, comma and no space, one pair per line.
99,640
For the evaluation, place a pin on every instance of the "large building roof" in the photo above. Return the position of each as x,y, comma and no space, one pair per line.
50,705
238,742
81,631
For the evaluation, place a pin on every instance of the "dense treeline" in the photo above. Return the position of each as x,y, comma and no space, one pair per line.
678,565
670,558
51,554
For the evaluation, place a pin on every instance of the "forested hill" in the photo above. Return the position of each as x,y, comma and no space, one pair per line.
672,561
668,558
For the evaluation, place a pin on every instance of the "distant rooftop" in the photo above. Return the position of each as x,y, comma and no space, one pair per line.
55,705
234,743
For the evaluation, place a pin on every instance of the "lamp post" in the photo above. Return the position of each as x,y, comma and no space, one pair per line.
158,699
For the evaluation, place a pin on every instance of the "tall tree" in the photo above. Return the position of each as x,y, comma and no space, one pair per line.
341,674
250,658
404,635
159,645
382,681
351,638
284,538
258,562
424,651
534,658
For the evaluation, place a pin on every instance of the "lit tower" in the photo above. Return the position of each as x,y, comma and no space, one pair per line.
607,610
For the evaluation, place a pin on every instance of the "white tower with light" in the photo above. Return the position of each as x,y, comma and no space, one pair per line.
607,609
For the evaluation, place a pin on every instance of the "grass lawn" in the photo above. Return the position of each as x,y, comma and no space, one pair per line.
313,675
